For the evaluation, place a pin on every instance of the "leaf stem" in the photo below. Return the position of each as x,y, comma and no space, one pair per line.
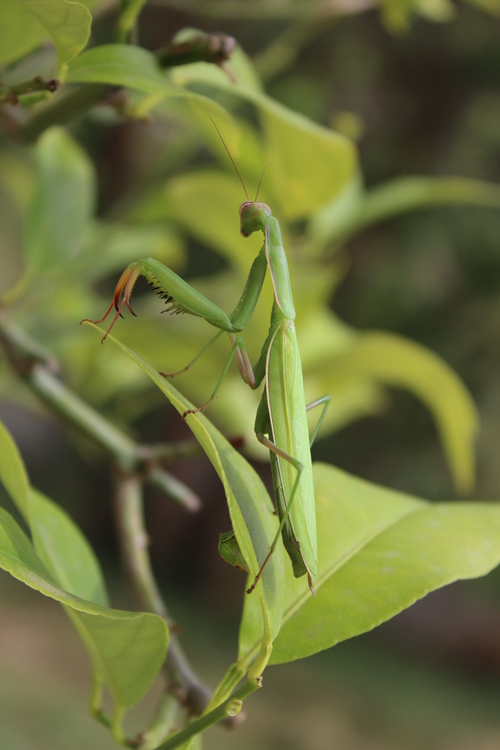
285,48
231,707
129,12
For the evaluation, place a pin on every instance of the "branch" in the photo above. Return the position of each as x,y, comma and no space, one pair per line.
64,109
263,10
11,94
38,368
134,541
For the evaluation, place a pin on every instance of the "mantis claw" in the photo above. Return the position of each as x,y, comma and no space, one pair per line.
121,297
193,411
174,374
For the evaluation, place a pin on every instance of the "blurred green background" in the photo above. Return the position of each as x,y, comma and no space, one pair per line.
423,102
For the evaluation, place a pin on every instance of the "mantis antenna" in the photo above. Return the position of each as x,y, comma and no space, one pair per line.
236,168
260,181
232,160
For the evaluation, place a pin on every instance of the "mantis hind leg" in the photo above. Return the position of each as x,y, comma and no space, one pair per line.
242,358
244,366
325,402
193,361
278,452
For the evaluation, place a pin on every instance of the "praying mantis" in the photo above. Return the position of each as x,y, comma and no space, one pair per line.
281,422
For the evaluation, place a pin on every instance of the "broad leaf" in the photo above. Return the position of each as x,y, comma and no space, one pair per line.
304,178
136,68
60,211
67,24
380,551
127,648
124,242
489,6
12,473
119,65
206,205
65,551
20,32
398,14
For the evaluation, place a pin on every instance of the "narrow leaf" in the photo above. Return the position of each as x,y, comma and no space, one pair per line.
250,508
337,223
394,361
127,648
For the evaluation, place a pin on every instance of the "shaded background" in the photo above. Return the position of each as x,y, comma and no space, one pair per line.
426,102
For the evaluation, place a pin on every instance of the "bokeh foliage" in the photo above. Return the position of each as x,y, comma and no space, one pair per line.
379,550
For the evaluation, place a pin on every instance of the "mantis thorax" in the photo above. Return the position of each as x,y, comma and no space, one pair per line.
253,217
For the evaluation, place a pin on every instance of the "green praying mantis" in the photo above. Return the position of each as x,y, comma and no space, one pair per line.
281,422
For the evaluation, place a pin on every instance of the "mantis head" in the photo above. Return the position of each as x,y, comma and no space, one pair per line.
253,217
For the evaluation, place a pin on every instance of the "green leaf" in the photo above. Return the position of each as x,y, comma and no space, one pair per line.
136,68
61,209
20,32
303,178
12,472
127,648
394,361
119,65
67,24
310,165
206,205
251,510
337,222
308,176
380,551
65,551
397,14
438,11
122,242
